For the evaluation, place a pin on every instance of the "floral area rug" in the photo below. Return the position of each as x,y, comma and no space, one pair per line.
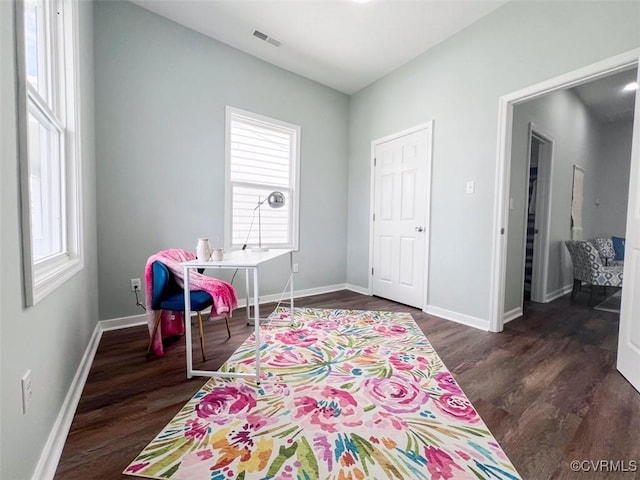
344,395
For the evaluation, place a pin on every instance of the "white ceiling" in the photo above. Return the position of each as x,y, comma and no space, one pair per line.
605,97
340,43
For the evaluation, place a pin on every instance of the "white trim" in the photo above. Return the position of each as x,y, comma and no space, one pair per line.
275,297
42,278
502,185
123,322
551,296
428,126
52,451
512,314
358,289
457,317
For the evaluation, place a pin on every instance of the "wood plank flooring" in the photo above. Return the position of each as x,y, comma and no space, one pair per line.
546,387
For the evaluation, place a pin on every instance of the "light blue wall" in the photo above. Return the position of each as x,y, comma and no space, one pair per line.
576,135
161,92
50,338
613,174
457,84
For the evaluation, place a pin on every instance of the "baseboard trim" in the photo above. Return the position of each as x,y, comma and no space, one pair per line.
123,322
550,297
50,456
457,317
296,294
357,289
512,315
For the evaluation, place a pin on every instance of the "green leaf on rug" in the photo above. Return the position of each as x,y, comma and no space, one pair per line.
307,459
283,455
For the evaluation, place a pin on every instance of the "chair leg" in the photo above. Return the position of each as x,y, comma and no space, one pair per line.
155,330
592,296
226,319
201,335
576,288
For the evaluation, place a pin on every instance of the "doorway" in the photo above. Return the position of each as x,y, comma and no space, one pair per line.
537,216
400,202
629,338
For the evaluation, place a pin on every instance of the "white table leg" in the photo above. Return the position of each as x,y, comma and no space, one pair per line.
187,322
291,285
256,322
246,285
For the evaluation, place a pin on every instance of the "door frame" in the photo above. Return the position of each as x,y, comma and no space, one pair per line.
540,267
506,105
428,127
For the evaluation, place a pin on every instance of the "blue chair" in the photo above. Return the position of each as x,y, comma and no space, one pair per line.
168,295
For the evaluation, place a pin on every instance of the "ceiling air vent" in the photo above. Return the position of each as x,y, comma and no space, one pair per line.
266,38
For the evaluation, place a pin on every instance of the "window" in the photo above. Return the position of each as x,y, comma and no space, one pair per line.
262,156
49,166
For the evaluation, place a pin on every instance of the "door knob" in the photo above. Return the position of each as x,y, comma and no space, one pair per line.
419,229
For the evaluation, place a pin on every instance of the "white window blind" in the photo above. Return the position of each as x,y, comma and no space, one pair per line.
262,158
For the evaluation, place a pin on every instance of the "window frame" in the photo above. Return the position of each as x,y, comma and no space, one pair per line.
294,178
61,111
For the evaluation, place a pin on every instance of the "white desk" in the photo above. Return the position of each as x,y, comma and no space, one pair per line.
240,259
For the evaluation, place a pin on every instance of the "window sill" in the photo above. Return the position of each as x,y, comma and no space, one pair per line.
49,278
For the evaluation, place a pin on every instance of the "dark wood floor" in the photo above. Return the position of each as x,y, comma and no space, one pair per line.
546,387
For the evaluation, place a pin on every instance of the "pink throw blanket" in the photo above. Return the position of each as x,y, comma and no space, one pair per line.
224,295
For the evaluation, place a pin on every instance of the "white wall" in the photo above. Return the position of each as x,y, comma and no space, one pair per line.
161,92
613,179
50,338
457,84
576,134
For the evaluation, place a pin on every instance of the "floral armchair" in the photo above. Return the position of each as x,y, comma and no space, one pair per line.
606,251
588,268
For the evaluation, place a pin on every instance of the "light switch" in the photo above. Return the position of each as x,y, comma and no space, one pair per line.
471,186
512,204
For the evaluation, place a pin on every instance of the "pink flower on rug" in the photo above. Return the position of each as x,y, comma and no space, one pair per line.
439,463
194,429
390,329
385,422
396,394
323,447
290,358
446,381
408,361
457,406
327,407
224,402
299,337
324,324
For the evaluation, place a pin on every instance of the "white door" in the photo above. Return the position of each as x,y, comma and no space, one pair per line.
400,222
629,336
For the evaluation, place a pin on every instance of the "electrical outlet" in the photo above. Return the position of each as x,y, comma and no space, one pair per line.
135,284
295,268
471,186
27,391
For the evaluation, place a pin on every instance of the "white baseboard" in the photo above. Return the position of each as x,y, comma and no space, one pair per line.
123,322
551,296
357,289
512,315
457,317
52,451
242,302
